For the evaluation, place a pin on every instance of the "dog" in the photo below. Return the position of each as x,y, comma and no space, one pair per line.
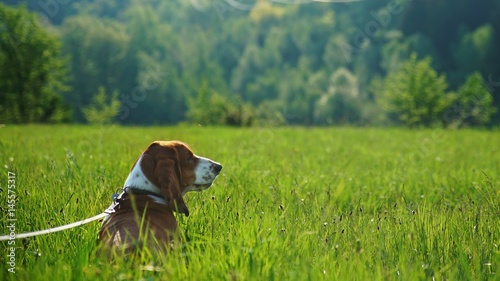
143,214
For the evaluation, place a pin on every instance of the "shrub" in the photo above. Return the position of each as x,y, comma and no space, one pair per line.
416,94
103,109
211,108
473,105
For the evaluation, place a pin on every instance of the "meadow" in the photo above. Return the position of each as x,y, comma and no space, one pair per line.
290,203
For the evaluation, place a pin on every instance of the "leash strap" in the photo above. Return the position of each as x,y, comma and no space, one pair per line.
53,230
111,209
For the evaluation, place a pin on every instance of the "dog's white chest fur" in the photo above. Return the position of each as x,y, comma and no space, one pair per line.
137,180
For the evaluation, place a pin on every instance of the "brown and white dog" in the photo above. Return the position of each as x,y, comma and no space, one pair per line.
142,215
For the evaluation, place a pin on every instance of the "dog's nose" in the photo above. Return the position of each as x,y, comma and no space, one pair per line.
217,167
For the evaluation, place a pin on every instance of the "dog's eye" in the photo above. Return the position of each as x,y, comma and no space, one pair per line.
190,157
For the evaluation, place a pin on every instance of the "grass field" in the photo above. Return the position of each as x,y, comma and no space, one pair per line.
290,203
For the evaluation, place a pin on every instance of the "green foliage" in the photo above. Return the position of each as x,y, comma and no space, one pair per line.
473,105
265,11
474,52
265,53
399,49
341,103
269,114
32,71
103,109
290,203
210,108
416,94
98,51
207,108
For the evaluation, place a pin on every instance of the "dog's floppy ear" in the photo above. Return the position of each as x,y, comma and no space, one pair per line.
168,175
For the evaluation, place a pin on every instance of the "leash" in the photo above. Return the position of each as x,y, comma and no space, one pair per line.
60,228
116,200
53,230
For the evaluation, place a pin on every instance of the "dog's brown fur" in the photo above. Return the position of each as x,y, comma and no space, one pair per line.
140,219
137,223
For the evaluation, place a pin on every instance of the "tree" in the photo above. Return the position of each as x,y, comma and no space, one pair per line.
416,94
103,109
340,104
473,105
267,54
98,51
207,108
32,71
474,52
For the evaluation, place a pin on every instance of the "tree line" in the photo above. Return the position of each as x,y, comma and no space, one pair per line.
416,63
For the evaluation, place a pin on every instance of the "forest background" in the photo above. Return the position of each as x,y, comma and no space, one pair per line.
370,63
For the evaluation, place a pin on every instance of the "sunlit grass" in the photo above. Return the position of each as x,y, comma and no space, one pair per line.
290,204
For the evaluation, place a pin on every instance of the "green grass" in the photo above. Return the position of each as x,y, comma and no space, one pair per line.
290,204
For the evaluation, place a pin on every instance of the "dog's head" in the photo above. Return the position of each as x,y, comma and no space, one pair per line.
178,170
